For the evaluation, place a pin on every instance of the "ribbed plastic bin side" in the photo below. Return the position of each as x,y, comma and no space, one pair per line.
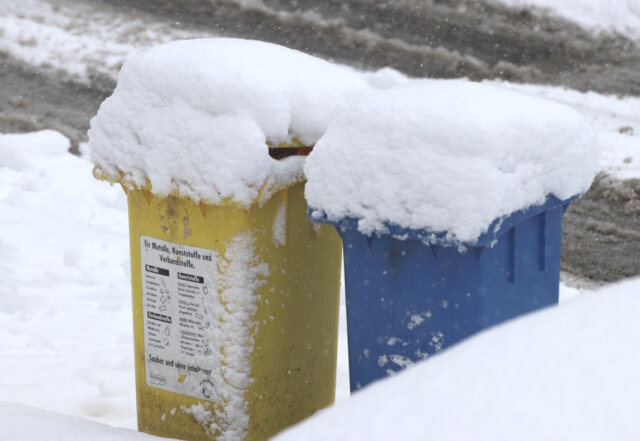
235,325
407,298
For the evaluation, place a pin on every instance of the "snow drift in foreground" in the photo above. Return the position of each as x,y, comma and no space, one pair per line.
19,423
447,156
566,373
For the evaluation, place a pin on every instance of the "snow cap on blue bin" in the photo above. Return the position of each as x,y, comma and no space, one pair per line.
448,160
448,196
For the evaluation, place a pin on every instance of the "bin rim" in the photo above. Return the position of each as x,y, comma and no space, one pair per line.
265,192
495,229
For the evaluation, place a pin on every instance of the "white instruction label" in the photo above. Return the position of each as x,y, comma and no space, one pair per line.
176,282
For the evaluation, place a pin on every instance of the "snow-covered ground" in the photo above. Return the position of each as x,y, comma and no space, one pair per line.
66,333
79,39
65,310
620,16
19,422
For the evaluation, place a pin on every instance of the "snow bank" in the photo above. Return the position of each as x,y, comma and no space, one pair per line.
567,373
77,40
385,78
447,156
195,117
66,339
621,16
20,423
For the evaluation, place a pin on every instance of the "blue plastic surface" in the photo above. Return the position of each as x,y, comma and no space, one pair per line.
409,299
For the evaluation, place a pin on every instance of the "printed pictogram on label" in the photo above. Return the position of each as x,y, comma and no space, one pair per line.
177,281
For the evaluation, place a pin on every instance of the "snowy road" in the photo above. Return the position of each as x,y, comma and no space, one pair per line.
69,52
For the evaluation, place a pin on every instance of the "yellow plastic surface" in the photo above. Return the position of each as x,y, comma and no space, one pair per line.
293,362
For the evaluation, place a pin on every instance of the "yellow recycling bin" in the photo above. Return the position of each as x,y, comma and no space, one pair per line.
235,314
235,291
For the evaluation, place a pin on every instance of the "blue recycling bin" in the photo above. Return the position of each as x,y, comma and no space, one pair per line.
410,294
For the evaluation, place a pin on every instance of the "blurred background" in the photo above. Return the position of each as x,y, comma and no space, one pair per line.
60,59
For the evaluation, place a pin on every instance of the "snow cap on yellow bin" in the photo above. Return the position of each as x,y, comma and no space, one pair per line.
235,292
195,117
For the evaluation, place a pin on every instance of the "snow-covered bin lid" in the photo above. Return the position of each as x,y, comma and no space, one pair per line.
448,158
196,117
